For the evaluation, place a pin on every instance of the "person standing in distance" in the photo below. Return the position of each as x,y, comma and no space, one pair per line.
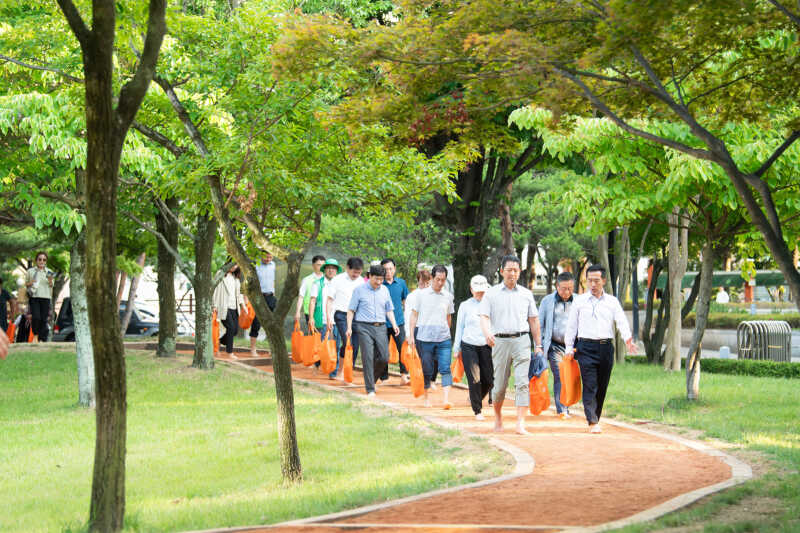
40,287
266,279
553,314
508,319
591,320
369,309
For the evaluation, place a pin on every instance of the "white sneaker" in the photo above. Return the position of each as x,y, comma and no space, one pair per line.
595,428
370,395
480,416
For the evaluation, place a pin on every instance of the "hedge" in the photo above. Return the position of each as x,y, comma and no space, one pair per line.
732,320
738,367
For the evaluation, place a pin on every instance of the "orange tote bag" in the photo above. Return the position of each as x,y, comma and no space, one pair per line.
215,331
394,355
347,369
12,329
570,380
327,355
246,319
415,372
297,339
308,345
457,370
539,393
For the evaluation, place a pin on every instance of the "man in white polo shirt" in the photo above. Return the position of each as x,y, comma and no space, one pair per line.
591,320
339,293
508,316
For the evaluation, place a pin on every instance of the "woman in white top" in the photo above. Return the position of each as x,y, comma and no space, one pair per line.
40,291
228,299
470,345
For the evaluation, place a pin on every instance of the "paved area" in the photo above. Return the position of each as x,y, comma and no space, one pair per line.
566,479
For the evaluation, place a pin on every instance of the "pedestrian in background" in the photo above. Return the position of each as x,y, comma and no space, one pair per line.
40,291
398,290
266,280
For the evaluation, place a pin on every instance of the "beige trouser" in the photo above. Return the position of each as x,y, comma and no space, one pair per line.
508,353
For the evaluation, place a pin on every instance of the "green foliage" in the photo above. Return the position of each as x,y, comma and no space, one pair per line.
738,367
398,236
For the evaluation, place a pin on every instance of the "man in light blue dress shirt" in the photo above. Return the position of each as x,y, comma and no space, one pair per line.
370,307
266,278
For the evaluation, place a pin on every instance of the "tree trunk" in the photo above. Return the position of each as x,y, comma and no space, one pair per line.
602,252
273,324
204,291
689,304
131,305
80,320
167,314
703,306
506,225
623,258
677,257
653,337
122,277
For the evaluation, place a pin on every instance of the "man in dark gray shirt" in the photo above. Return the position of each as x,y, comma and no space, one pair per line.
553,313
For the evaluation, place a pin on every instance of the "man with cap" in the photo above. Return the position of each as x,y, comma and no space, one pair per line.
470,345
317,315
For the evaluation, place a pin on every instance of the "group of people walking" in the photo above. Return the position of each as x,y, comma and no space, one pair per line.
499,331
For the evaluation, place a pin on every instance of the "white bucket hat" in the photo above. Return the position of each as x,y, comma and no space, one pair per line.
478,283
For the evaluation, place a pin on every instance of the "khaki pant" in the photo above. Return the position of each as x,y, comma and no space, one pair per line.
507,354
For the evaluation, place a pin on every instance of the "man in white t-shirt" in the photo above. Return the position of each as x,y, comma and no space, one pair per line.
432,313
339,293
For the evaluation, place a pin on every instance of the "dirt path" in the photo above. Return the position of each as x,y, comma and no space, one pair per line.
580,480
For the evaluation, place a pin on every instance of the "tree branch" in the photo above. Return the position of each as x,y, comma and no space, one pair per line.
75,22
159,138
69,200
42,68
173,252
132,93
777,153
794,18
183,116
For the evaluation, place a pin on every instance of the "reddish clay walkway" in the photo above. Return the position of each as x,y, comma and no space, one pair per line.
580,480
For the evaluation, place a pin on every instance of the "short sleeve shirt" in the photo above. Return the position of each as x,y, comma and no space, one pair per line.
398,290
341,289
41,286
370,305
433,309
508,309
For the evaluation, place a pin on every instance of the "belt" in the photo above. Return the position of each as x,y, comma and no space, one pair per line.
596,341
267,293
371,323
511,335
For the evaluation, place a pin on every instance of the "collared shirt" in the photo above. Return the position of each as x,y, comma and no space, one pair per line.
398,290
341,289
305,289
41,286
594,318
412,297
432,309
468,325
560,315
508,309
266,276
370,305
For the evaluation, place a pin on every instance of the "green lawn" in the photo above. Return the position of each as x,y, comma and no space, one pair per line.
760,417
202,449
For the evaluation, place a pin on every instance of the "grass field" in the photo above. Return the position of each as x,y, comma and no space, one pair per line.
759,417
202,448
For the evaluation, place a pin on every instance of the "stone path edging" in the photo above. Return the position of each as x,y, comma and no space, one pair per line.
740,472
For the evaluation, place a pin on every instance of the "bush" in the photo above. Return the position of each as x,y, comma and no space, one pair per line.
731,320
738,367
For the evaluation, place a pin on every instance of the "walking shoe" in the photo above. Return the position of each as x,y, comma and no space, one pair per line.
371,394
447,406
595,428
563,416
405,379
433,386
480,416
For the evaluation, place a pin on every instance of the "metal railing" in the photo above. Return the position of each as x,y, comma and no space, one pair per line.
764,340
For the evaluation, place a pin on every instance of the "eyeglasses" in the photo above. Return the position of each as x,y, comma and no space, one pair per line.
41,260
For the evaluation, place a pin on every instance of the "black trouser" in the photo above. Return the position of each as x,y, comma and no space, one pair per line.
477,361
40,310
398,341
596,359
231,324
271,303
374,351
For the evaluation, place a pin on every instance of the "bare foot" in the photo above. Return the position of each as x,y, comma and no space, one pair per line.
233,357
522,431
253,354
498,428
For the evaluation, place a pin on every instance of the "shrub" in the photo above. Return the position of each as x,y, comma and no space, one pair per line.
738,367
731,320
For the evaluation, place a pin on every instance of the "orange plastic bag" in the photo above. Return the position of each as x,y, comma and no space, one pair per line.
415,372
30,334
394,355
347,369
327,354
457,370
539,393
246,319
297,339
405,354
12,329
570,374
215,331
308,347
